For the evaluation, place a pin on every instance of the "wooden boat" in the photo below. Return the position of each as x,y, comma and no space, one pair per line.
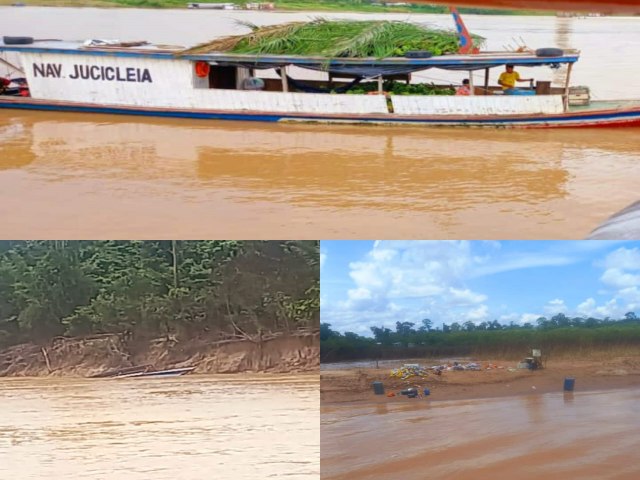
138,78
214,6
174,372
123,371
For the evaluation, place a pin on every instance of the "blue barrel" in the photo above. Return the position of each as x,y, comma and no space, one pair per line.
518,91
426,392
568,384
378,388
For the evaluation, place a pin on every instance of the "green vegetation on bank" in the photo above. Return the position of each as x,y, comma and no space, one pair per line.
556,335
363,6
145,289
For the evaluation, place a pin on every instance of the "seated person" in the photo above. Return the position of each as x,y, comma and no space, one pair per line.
253,83
464,89
509,77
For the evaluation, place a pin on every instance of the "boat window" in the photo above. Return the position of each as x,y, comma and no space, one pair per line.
223,77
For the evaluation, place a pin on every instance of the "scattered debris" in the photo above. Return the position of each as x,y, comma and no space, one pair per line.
438,369
409,370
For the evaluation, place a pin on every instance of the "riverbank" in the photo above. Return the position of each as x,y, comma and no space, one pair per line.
595,373
281,5
87,356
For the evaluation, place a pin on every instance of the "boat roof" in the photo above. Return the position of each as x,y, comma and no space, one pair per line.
447,62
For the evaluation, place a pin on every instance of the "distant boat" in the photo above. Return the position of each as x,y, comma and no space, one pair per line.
175,372
214,6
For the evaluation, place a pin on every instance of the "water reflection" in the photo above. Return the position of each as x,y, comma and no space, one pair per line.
563,31
381,409
535,408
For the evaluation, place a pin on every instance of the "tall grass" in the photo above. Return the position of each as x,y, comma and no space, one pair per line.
610,340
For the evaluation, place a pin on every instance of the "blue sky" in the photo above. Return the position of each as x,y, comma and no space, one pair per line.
367,283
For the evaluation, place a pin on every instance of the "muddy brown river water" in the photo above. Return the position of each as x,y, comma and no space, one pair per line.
99,176
590,436
193,428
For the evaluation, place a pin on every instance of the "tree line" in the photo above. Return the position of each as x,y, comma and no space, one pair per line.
226,289
558,333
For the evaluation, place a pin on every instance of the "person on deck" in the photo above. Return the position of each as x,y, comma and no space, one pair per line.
253,83
509,77
464,89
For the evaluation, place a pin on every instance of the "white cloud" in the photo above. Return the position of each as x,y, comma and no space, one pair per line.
617,278
555,306
587,307
323,258
478,315
623,259
359,294
520,318
529,318
611,308
630,295
524,260
408,281
383,254
465,296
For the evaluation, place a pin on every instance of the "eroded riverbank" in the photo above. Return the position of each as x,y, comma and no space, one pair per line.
86,356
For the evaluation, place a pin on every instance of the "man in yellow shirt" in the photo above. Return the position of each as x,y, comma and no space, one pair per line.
509,78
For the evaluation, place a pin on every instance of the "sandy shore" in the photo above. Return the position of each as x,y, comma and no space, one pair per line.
352,385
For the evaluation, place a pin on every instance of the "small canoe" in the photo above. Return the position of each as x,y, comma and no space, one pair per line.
174,372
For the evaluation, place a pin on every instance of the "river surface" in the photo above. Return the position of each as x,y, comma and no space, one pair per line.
193,428
101,176
590,436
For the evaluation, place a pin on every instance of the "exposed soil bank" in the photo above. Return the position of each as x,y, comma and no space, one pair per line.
92,355
350,385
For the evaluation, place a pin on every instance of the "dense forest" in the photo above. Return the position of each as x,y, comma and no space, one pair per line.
146,289
555,335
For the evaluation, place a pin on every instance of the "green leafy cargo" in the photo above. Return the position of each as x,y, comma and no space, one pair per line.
337,39
397,88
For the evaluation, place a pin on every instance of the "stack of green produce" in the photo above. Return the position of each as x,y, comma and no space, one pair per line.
338,39
397,88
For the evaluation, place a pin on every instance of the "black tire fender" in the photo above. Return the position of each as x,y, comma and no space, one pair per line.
549,52
418,54
17,40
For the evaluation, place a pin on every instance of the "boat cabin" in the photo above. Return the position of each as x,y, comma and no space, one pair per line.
144,74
